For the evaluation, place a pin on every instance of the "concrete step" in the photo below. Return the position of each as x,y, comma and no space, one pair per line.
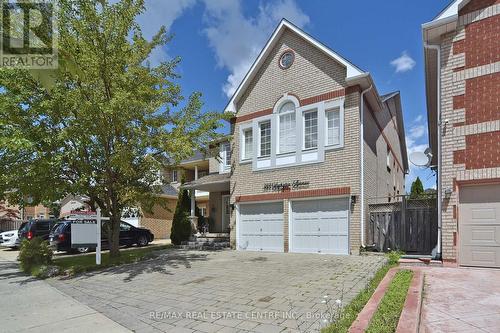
201,246
212,240
420,262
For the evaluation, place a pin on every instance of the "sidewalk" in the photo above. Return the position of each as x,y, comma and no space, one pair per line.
461,300
31,305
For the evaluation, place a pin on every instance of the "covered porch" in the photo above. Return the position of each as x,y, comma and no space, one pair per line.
218,210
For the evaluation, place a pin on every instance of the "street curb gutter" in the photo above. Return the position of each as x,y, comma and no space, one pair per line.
364,317
409,321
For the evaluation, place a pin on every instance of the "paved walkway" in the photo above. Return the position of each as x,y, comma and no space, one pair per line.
461,300
226,291
30,305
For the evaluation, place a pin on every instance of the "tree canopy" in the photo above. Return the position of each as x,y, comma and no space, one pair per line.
417,189
110,122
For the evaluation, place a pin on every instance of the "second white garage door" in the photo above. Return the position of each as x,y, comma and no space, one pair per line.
260,227
320,226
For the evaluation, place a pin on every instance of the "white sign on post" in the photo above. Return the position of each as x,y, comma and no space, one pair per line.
87,233
98,236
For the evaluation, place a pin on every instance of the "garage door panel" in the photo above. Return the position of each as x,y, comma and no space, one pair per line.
485,256
261,227
320,226
479,225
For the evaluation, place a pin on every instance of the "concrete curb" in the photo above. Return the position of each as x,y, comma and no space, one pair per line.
364,317
409,321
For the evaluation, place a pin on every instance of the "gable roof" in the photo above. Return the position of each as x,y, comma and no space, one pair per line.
352,70
444,22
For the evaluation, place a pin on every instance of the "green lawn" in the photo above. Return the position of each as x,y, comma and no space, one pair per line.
350,311
85,263
386,319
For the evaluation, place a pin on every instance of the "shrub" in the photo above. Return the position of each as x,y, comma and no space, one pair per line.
34,253
181,224
394,257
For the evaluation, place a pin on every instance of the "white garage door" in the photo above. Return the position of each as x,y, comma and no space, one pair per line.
320,226
261,227
479,226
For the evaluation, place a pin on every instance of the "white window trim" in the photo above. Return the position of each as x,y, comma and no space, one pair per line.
176,180
259,138
223,167
309,110
243,129
341,129
275,160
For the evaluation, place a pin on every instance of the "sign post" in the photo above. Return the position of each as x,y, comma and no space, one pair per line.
98,235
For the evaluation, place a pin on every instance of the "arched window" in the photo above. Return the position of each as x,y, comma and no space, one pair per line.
287,128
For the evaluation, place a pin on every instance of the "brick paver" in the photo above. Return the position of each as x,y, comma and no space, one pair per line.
226,291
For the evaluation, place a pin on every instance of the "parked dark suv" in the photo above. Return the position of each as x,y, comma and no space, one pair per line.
60,236
36,228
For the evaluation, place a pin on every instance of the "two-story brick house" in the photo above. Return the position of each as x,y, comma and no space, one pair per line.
462,67
311,140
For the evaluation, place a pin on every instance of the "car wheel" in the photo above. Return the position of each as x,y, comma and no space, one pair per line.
82,249
142,241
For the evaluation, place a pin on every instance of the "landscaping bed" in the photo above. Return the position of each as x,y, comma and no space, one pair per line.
389,310
350,312
37,260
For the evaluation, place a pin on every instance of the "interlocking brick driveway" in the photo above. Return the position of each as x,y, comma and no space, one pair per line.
227,291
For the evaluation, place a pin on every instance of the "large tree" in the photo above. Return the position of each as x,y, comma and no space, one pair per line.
108,124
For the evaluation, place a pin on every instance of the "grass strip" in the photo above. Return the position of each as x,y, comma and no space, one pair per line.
386,319
350,312
86,263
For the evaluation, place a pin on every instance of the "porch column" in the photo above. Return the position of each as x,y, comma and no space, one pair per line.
195,172
193,201
193,218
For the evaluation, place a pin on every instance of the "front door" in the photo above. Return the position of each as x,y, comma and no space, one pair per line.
226,212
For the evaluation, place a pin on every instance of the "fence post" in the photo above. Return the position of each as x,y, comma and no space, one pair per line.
403,223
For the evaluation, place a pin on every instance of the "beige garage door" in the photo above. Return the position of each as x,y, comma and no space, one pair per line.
479,225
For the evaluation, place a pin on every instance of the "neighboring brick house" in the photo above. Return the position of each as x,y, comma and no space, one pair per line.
159,219
16,212
291,179
462,67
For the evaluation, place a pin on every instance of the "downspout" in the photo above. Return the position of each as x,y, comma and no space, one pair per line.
438,119
362,164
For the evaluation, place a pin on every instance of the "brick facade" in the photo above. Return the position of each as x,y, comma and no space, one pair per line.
470,86
159,220
312,78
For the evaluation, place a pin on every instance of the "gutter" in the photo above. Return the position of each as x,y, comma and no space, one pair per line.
439,139
362,165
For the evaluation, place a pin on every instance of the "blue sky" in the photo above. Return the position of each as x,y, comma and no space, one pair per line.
218,40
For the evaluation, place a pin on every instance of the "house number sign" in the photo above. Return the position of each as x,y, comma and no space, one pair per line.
281,187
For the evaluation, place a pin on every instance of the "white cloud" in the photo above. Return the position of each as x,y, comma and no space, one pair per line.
417,131
158,13
237,39
404,63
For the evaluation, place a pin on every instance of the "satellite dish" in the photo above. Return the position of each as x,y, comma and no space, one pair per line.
421,159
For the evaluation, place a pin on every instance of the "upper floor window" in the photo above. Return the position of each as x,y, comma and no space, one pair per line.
287,128
388,158
265,138
225,150
247,144
332,127
310,129
175,176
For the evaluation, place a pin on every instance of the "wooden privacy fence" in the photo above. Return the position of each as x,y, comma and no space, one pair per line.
7,225
409,225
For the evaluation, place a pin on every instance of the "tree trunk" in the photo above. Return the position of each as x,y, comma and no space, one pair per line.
114,241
